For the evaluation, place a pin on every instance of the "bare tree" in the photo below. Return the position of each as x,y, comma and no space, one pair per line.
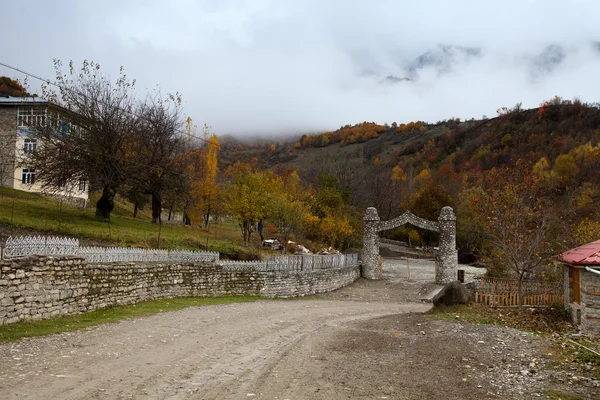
86,132
156,151
519,221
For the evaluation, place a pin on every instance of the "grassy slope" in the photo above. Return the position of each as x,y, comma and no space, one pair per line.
27,213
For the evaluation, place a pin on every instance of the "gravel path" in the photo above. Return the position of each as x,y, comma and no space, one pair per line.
201,352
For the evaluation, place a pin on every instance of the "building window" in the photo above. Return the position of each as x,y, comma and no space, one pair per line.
28,177
31,116
30,145
82,185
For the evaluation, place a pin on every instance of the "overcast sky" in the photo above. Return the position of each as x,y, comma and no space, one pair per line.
260,66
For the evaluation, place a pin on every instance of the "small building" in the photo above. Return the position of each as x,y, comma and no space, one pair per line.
582,286
17,116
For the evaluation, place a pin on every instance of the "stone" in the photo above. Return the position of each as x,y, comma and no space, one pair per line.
453,293
446,226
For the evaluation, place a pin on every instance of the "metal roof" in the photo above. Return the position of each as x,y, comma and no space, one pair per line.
588,254
9,100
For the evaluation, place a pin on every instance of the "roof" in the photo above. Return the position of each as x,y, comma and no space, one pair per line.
10,101
588,254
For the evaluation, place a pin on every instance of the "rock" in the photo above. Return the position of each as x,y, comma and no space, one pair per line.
302,250
453,293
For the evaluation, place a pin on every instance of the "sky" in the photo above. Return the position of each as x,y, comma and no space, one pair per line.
280,67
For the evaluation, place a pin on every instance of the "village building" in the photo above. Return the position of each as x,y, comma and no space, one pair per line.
17,116
582,286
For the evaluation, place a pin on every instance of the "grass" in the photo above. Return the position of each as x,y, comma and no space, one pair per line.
19,330
542,321
558,395
31,212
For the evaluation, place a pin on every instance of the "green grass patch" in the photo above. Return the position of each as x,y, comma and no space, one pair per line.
542,321
558,395
29,213
19,330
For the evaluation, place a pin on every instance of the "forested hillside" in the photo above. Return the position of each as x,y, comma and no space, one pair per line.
523,182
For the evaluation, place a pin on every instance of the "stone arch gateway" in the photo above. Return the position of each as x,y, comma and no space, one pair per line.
445,225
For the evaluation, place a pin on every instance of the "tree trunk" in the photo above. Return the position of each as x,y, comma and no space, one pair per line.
106,202
207,219
260,229
186,217
520,291
246,231
156,208
171,212
136,206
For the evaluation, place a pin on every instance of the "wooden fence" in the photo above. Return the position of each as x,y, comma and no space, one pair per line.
497,292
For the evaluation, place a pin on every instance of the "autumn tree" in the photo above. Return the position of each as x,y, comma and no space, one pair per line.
520,223
12,87
249,196
289,208
206,190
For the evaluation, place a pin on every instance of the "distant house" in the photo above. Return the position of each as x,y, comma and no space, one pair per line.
582,286
17,116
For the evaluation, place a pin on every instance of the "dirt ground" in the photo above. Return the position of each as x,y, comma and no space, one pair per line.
367,341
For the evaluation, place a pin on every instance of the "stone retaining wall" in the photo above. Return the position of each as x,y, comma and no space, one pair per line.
41,287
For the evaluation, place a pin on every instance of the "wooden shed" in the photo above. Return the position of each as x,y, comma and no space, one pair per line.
582,286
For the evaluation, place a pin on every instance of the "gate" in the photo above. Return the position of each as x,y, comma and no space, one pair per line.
446,225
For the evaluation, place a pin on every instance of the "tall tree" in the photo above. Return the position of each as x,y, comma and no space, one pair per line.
85,137
249,196
206,190
155,150
520,222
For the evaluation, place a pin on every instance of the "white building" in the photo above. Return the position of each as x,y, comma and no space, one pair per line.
17,114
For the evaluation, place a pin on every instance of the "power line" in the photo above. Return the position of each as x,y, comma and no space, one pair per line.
84,96
130,112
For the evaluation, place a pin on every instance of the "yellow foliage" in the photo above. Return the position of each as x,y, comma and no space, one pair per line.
337,231
398,174
587,195
588,231
423,178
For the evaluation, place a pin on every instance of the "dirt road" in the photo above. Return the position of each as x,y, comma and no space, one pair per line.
366,341
207,352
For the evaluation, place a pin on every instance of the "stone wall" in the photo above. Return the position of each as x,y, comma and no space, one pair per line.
41,287
294,284
446,226
590,302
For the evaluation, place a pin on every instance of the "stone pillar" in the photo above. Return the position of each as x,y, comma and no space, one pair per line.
448,262
370,251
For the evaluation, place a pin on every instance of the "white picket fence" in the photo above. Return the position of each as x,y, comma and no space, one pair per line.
294,263
23,246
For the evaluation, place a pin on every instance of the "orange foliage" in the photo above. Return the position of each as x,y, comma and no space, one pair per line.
346,135
410,127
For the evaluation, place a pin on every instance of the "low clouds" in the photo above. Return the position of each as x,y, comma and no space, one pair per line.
248,67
